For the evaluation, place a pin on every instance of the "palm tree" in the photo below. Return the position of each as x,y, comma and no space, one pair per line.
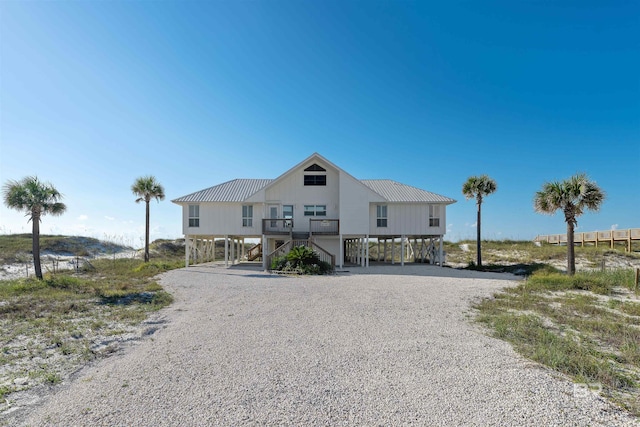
478,187
147,188
36,199
573,196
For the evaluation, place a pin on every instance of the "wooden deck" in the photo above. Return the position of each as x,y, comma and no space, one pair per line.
595,237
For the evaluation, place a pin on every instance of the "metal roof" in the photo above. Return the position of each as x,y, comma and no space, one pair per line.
236,190
394,191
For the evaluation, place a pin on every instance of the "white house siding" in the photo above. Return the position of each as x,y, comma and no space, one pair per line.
354,205
220,219
290,190
329,244
406,219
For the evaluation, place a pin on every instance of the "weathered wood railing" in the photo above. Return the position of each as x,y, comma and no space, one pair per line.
277,226
324,227
595,237
255,252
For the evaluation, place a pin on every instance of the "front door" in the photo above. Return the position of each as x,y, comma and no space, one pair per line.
273,214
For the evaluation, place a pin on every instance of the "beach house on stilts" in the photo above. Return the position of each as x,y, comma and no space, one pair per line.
315,204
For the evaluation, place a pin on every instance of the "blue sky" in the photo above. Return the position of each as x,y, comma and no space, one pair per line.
94,94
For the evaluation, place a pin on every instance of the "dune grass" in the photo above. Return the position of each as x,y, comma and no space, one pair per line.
13,247
50,327
497,252
586,326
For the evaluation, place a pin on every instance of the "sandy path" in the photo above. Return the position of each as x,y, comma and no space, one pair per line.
241,347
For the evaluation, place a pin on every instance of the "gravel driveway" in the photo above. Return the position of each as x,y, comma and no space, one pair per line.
385,346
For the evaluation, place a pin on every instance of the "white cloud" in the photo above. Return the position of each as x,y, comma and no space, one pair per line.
614,227
83,218
110,218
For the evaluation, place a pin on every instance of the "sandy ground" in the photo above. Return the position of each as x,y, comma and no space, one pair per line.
386,345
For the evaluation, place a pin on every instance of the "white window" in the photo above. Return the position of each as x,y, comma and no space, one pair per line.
315,210
381,215
194,215
247,215
434,216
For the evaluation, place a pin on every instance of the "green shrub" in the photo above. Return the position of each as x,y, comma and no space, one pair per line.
161,299
301,260
64,282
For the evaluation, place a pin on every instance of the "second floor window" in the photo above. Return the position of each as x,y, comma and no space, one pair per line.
315,180
194,215
434,216
381,215
315,210
247,215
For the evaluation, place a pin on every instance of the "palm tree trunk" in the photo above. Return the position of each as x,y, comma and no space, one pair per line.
35,246
571,256
146,237
478,244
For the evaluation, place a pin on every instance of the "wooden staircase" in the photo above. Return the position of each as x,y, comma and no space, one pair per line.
255,252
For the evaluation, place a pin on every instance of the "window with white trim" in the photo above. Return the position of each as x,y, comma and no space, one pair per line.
315,180
247,215
315,210
434,216
194,215
287,213
381,215
315,177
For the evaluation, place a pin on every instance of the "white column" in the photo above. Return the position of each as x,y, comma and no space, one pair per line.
242,249
186,251
213,253
384,256
226,251
393,250
340,251
402,249
265,252
441,252
366,257
233,251
363,260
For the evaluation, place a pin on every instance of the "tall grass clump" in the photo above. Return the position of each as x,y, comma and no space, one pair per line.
583,326
599,282
68,314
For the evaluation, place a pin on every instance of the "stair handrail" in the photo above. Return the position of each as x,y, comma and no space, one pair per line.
254,252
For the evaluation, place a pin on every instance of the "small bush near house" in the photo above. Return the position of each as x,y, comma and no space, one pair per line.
301,260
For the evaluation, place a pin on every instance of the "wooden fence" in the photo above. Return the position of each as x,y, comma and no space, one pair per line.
595,237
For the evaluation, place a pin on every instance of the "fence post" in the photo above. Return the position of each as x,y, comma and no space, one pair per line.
637,279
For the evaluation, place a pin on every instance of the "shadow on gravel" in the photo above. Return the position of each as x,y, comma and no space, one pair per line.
517,269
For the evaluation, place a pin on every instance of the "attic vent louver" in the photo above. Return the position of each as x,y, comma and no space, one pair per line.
315,168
